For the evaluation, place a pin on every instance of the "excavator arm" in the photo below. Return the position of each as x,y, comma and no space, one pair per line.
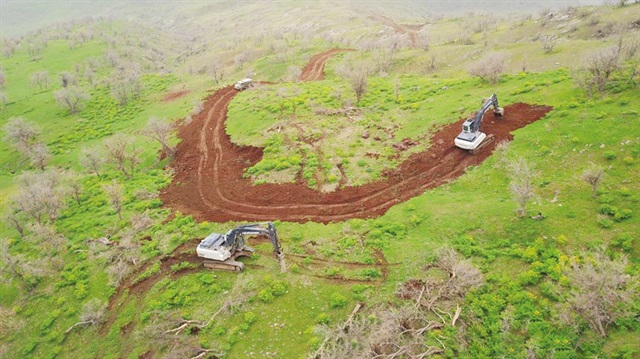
471,138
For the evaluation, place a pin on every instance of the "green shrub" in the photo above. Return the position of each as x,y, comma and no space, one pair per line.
624,242
265,295
609,155
605,223
337,300
622,215
322,318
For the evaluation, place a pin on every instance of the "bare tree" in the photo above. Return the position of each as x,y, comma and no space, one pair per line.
17,220
358,76
521,175
422,40
8,47
597,69
71,98
35,50
93,313
75,186
123,153
115,194
217,72
293,73
41,195
28,271
593,176
41,79
3,78
603,290
126,83
22,135
548,43
489,68
3,100
39,155
160,130
92,159
68,79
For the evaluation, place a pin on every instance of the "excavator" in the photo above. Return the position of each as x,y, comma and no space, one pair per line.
471,138
220,251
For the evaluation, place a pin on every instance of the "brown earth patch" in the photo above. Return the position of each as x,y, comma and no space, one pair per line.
174,95
209,181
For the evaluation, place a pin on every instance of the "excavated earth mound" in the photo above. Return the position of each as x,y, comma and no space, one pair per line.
209,168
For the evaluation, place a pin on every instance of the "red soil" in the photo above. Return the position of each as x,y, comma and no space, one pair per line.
174,95
209,168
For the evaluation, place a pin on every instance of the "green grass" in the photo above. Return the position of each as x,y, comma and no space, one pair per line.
524,261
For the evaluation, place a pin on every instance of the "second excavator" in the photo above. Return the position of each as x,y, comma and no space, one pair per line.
471,138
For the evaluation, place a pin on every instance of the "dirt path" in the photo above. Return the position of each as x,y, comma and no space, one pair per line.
411,31
314,70
209,168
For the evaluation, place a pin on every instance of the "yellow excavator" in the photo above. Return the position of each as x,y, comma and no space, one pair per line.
471,138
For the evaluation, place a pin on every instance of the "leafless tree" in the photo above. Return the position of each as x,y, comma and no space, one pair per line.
41,79
489,68
593,176
19,266
17,220
35,50
92,159
126,83
115,194
75,186
22,135
160,130
71,98
217,72
293,73
422,40
68,79
603,290
3,78
47,239
41,195
3,100
597,69
548,43
358,76
39,155
8,47
123,153
93,313
521,175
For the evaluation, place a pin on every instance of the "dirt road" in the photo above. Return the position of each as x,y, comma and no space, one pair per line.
209,168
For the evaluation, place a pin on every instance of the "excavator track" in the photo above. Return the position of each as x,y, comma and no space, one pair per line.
230,264
488,140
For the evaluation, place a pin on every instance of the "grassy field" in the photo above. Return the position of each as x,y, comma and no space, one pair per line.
267,314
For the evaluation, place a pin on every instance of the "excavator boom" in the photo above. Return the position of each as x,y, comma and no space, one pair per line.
471,138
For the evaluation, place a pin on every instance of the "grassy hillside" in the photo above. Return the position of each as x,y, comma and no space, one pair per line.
94,274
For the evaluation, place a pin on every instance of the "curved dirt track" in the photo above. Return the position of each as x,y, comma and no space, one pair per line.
314,70
209,168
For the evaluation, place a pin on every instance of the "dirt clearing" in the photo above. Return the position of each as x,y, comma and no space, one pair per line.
209,168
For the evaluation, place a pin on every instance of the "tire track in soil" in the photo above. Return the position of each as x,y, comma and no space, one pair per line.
209,168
